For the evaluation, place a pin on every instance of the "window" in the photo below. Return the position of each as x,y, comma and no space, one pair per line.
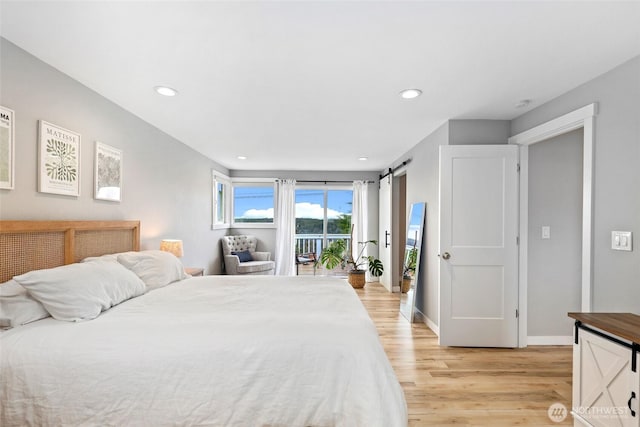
253,203
339,203
220,208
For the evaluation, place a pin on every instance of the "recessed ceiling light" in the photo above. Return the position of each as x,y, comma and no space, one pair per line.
363,158
166,91
523,103
410,93
242,157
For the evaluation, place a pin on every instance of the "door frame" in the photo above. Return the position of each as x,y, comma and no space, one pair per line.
390,177
582,118
399,214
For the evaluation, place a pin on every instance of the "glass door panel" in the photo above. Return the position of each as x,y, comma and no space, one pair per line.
309,229
322,216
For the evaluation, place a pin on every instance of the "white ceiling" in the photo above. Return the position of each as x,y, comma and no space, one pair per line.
314,85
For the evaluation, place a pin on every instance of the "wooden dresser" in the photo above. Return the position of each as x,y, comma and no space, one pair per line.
606,365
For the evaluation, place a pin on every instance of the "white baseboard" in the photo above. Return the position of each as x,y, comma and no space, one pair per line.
432,326
531,340
420,317
396,289
549,340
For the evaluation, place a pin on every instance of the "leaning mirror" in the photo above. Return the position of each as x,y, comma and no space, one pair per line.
411,268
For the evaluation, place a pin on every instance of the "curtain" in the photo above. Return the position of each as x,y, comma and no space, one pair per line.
359,218
285,227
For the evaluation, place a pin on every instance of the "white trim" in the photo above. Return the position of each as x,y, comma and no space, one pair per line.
581,118
563,124
321,186
523,267
217,177
220,175
251,183
587,214
249,225
421,317
550,340
241,180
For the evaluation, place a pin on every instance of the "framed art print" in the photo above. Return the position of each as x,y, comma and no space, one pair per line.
108,173
7,155
59,160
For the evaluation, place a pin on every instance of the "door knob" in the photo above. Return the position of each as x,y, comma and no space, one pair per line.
446,255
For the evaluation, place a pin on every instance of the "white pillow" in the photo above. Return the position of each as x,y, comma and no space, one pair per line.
81,291
155,268
17,307
107,257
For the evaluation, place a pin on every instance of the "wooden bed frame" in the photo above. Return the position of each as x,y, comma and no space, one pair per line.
34,245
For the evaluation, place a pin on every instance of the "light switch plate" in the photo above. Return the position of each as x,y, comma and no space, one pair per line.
621,240
546,232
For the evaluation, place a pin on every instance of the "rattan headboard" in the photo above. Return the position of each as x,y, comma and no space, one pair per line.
34,245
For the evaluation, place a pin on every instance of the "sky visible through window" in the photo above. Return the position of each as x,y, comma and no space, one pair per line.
310,211
253,204
310,203
257,203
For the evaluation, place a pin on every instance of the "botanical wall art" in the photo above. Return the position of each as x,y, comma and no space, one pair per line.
108,173
59,160
7,118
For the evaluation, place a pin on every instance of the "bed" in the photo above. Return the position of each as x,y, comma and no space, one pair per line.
213,350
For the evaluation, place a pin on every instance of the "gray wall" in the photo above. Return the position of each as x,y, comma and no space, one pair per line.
474,132
422,186
555,264
167,185
616,274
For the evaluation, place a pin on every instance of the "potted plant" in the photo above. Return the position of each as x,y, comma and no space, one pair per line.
339,252
409,269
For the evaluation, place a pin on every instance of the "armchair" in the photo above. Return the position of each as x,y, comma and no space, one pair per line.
260,262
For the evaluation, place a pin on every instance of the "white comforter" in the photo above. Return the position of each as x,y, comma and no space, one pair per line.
216,350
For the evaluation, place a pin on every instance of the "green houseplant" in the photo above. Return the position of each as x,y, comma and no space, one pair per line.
339,252
409,270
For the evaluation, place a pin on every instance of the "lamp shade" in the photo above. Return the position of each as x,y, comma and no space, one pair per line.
172,245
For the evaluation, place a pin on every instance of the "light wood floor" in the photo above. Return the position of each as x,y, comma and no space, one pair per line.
469,386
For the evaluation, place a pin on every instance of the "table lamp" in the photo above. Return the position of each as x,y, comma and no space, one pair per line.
172,245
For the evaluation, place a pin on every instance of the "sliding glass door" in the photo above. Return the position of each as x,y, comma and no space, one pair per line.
322,216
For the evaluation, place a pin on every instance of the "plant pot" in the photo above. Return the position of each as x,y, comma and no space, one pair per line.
406,284
357,278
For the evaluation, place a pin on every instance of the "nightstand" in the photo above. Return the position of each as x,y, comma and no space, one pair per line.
193,271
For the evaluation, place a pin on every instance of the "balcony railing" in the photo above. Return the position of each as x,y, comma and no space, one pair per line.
307,244
313,243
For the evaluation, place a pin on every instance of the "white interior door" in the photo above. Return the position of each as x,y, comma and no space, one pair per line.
478,246
384,239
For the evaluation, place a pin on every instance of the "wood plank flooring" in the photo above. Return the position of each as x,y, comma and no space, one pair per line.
469,386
